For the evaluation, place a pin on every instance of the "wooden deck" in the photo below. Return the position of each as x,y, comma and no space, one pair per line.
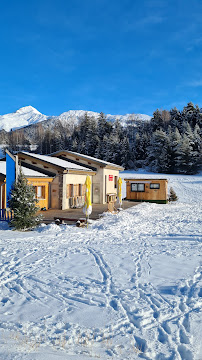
97,210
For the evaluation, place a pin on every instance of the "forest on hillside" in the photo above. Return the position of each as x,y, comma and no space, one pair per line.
169,143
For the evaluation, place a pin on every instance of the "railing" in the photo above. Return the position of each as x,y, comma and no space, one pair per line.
6,215
76,202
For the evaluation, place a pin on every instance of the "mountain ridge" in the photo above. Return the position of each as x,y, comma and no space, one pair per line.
28,115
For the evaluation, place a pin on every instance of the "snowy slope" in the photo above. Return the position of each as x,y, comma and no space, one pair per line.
127,287
28,115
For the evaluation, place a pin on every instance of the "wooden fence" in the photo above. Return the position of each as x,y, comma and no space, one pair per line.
6,215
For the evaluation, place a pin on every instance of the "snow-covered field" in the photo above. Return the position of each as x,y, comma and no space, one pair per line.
127,287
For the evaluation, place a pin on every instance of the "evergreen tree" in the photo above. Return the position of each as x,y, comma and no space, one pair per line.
104,127
197,147
158,152
141,148
189,114
163,143
175,141
124,155
185,162
24,205
172,195
156,121
198,117
74,145
176,119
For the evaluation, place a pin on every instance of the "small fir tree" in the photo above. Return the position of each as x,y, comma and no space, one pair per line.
24,205
172,195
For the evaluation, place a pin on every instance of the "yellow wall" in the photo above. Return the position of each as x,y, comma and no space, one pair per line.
35,182
42,182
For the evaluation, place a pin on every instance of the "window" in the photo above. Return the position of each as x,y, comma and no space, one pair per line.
155,186
80,189
138,187
115,182
72,190
40,192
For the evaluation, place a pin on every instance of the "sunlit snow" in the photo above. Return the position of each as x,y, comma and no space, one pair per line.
127,287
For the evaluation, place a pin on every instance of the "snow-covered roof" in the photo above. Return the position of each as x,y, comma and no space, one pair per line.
58,162
27,172
87,157
143,179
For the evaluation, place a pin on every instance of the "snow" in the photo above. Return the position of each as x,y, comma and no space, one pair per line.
82,156
127,287
57,161
74,116
188,188
26,171
28,115
25,116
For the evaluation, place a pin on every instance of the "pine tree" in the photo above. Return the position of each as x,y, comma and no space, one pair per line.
176,119
156,121
124,155
175,141
104,127
24,205
197,147
190,113
185,161
158,152
172,195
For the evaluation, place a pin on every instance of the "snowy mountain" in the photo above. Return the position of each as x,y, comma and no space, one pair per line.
28,115
25,116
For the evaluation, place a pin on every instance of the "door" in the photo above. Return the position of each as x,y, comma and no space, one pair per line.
96,193
54,196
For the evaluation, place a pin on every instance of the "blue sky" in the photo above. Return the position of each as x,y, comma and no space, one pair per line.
115,56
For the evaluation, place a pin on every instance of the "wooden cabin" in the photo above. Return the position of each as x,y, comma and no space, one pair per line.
150,190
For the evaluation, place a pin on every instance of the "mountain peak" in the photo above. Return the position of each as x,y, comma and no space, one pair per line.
28,115
27,109
25,116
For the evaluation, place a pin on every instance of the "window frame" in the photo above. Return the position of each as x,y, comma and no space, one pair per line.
43,192
115,182
131,187
155,188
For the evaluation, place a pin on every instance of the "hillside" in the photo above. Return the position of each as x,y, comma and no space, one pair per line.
28,115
